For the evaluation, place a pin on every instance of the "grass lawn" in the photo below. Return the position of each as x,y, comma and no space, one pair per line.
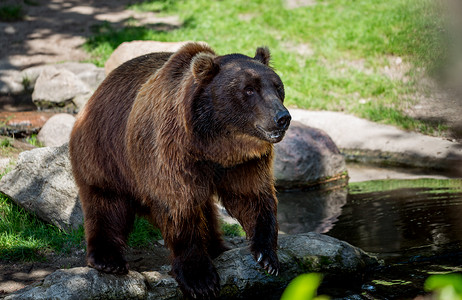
362,57
24,237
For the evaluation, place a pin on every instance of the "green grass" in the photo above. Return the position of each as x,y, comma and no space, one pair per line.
5,142
350,45
439,185
11,13
32,139
143,234
232,230
24,237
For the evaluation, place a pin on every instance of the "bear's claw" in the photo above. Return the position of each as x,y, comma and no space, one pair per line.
259,258
268,262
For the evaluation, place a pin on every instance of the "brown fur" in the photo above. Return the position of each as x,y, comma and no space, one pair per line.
153,140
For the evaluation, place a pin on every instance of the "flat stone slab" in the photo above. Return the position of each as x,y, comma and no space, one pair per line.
368,141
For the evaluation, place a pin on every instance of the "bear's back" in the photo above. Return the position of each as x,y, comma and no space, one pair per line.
99,132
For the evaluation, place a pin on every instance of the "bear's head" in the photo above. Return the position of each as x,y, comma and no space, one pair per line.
238,94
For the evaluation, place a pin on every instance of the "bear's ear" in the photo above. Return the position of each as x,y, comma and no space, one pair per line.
203,67
263,55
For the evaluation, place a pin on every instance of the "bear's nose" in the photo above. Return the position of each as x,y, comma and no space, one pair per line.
282,119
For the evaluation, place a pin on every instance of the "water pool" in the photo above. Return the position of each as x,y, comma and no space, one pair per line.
415,226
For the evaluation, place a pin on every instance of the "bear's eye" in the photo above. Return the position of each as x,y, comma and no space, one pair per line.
249,91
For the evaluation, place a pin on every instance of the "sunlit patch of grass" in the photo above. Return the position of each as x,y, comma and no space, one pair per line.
351,43
24,237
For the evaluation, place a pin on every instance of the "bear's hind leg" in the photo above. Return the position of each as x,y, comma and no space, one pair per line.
109,218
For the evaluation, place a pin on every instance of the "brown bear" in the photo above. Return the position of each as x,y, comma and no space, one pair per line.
162,136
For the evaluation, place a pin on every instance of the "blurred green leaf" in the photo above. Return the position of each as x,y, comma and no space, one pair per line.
304,287
447,287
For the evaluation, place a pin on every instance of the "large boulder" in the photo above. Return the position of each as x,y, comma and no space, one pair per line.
64,87
240,276
307,156
57,130
56,88
129,50
42,183
88,73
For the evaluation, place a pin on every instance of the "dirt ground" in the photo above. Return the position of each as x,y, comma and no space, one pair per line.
54,31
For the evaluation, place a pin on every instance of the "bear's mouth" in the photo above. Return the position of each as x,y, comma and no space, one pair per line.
274,136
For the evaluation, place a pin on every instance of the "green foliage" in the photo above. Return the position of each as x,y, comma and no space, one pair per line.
26,83
143,234
10,13
5,142
33,141
304,287
232,229
447,287
23,237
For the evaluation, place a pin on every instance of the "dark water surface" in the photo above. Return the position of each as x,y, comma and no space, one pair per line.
415,226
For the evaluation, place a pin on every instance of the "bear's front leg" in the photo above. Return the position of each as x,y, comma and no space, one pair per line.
257,215
263,239
192,266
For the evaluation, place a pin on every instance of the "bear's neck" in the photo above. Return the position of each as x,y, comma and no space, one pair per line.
231,149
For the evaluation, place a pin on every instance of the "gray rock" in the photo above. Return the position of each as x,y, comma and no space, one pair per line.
57,88
86,283
306,156
129,50
239,275
365,141
67,85
92,77
80,100
87,72
57,130
42,182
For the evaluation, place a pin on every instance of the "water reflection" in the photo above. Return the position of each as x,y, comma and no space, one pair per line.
309,211
389,221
